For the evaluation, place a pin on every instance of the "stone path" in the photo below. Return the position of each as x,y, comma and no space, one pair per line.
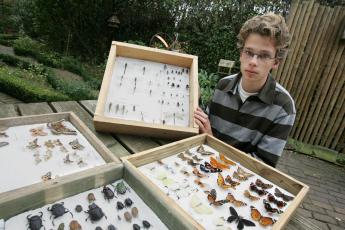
325,202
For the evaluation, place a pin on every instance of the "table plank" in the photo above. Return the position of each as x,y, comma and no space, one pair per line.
34,108
8,110
108,140
300,222
133,143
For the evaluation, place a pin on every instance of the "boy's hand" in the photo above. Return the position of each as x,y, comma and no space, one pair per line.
202,120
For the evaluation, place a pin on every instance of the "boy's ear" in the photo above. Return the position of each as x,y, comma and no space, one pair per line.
276,64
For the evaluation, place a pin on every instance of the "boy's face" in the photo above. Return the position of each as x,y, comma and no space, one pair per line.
257,59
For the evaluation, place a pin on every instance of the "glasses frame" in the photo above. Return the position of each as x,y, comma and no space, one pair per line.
262,58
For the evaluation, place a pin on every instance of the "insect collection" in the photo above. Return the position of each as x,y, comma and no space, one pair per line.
40,152
149,92
114,206
217,192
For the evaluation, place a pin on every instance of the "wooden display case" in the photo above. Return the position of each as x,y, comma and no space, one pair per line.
136,162
149,92
21,167
39,195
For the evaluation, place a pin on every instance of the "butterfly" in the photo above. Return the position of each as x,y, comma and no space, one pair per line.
166,181
279,203
286,198
233,183
221,182
197,173
250,196
226,160
242,175
192,163
261,184
202,151
211,168
254,188
212,196
198,182
183,157
263,220
269,208
232,199
195,157
217,164
241,222
199,207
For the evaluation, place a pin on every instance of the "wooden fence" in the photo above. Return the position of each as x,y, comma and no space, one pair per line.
313,73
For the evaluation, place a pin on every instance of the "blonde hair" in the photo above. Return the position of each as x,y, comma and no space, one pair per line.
268,25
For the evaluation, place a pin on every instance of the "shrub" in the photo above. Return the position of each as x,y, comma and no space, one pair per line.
207,83
13,83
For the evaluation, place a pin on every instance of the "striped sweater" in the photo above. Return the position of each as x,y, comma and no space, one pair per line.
260,125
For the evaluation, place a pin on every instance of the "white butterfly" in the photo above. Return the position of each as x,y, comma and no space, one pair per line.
199,207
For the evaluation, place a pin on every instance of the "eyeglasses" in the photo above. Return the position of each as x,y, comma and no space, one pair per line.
263,58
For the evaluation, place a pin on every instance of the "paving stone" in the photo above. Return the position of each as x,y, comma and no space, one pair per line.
320,224
335,227
337,194
324,205
321,199
304,212
314,208
340,210
337,216
324,218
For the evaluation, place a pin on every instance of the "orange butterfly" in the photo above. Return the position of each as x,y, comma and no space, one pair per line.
263,220
232,199
250,196
217,164
226,160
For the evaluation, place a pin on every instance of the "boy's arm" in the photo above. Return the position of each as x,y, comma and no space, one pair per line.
271,146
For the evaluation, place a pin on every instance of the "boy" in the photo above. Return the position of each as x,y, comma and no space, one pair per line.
250,110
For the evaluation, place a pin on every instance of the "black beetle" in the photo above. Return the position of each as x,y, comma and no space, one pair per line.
128,202
136,227
95,213
119,205
108,193
98,228
35,222
111,227
58,210
146,224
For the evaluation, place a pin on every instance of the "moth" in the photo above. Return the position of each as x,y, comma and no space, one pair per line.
269,208
230,181
285,197
279,203
250,196
242,175
254,188
261,184
202,151
232,199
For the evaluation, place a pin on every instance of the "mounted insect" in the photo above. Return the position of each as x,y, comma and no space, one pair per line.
35,222
217,164
78,208
108,193
127,216
111,227
250,196
285,197
146,224
263,220
91,197
261,184
211,168
135,212
223,158
221,182
76,145
128,202
38,132
47,176
279,203
58,128
136,227
202,151
95,213
212,196
183,157
233,200
121,188
197,173
241,222
33,144
58,210
4,143
242,175
66,160
119,205
254,188
269,208
74,225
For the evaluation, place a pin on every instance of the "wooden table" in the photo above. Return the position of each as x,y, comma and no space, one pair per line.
119,144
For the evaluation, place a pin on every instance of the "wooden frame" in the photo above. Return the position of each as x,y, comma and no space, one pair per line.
298,189
107,124
52,191
101,149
